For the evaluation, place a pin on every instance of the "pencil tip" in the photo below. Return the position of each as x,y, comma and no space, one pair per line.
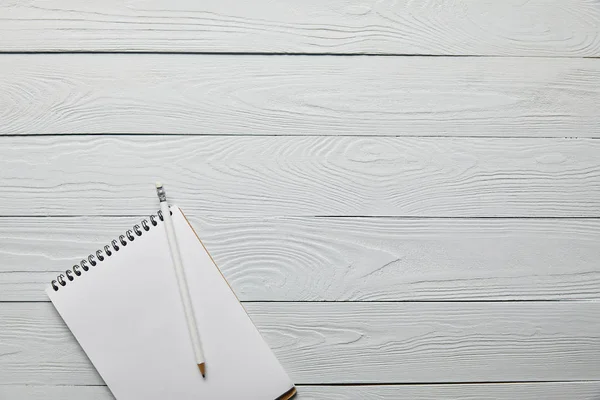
202,368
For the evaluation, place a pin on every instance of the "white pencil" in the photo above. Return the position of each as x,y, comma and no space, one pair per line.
181,281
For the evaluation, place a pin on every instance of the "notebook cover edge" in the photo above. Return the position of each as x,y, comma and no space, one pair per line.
288,395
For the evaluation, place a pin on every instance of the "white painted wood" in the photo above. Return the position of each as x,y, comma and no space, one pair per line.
300,176
513,27
521,391
547,391
241,192
348,259
51,392
303,95
357,342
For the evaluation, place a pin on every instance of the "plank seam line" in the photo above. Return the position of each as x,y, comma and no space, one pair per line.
284,54
582,301
445,383
474,301
408,217
291,216
257,135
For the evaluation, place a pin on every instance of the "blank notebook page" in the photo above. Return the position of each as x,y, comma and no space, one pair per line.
126,313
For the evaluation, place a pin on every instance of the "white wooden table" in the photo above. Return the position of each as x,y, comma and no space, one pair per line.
405,195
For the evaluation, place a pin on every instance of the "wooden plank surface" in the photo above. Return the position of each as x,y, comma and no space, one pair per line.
531,28
521,391
298,95
435,146
357,342
339,259
302,176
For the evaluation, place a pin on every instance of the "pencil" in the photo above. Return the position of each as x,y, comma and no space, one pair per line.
181,281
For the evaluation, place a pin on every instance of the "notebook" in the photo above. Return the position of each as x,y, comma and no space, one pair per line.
125,311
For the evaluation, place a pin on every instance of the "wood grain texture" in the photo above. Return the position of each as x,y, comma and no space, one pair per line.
339,259
521,391
300,95
357,342
538,27
302,176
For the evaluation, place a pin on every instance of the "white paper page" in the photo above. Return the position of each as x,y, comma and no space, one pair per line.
127,315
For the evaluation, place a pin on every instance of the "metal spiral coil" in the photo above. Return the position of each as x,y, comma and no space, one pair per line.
107,251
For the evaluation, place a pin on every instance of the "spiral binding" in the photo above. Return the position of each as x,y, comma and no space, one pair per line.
101,254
